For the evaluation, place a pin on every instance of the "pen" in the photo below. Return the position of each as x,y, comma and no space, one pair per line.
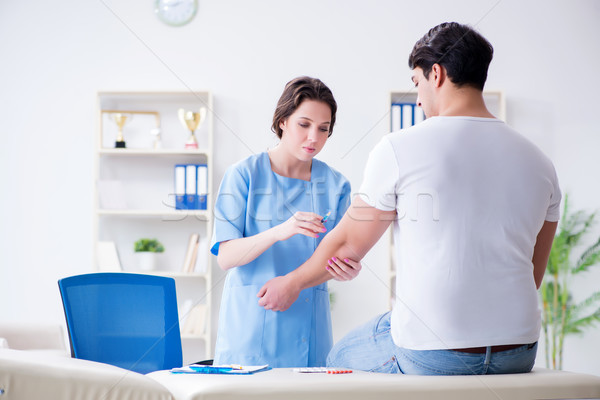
211,370
326,216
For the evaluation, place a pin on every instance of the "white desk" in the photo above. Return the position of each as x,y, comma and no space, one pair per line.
284,384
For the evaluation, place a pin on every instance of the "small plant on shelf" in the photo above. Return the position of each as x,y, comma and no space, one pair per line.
149,245
146,250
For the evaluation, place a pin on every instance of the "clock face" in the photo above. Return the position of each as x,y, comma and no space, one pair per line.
176,12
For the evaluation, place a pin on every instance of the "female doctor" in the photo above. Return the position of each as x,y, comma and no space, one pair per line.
269,218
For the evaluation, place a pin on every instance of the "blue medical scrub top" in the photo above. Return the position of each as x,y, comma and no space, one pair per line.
252,198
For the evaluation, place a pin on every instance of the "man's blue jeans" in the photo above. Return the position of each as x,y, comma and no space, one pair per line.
371,348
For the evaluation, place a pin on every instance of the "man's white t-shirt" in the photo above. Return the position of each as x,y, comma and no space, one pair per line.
471,196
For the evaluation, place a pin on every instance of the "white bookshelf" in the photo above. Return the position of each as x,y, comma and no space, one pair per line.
134,194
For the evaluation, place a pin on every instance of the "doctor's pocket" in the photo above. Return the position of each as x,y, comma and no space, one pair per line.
242,331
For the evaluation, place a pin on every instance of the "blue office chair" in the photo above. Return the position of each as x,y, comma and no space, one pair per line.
123,319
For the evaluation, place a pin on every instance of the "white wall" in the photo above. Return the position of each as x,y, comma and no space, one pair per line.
54,60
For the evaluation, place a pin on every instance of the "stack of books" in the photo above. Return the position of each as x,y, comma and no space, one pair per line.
195,255
193,316
193,319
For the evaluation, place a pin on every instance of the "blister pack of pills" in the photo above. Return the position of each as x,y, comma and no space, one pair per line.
322,370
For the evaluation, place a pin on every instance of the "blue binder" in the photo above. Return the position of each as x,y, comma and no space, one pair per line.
180,203
201,186
191,187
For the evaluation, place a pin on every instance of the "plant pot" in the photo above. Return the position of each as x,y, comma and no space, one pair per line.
146,260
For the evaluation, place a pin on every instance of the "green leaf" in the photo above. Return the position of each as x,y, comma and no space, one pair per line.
590,257
586,322
577,309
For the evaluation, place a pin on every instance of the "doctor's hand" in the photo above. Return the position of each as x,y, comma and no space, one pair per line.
305,223
343,270
278,294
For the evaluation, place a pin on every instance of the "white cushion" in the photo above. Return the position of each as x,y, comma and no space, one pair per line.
22,336
39,375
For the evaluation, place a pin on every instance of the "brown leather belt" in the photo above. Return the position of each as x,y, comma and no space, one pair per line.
495,349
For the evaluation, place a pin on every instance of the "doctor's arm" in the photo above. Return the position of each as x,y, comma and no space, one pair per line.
241,251
358,231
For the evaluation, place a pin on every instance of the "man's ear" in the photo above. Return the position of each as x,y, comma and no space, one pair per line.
439,75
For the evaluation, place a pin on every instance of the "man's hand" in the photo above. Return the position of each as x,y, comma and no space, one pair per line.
343,270
278,294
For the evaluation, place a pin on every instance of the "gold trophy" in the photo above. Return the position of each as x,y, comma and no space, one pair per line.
120,120
192,120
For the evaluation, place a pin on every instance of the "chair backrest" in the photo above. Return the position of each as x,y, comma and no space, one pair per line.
123,319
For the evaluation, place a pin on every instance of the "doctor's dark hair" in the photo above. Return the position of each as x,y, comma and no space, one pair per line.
462,51
296,91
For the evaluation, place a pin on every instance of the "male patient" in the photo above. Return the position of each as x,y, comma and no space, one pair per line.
475,208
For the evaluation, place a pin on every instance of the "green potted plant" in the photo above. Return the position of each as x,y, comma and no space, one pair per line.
561,315
147,249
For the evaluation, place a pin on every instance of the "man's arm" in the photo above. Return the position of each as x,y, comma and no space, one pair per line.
358,231
541,251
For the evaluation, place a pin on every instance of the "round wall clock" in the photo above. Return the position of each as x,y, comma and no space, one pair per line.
176,12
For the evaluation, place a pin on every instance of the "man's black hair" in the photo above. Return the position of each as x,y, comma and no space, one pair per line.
462,51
